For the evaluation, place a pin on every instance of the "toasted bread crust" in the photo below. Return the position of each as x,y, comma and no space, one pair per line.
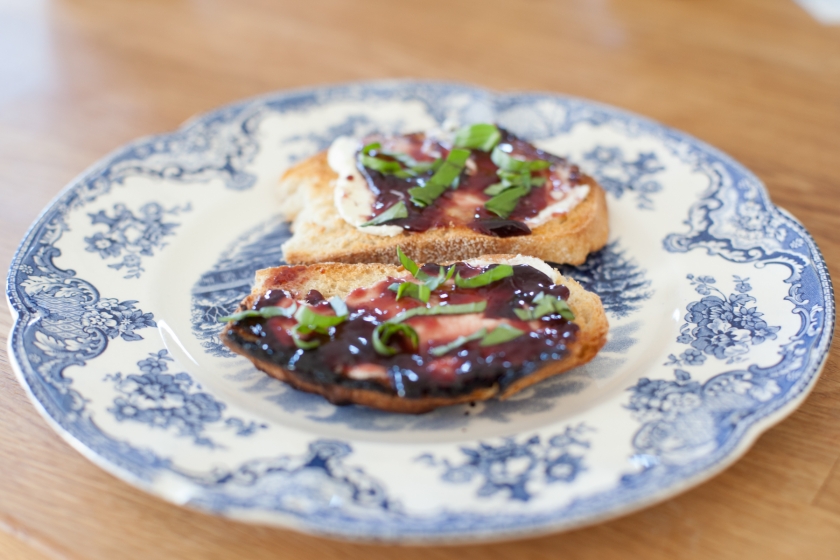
321,235
337,279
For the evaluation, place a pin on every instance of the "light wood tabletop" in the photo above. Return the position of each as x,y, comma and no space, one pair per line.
759,79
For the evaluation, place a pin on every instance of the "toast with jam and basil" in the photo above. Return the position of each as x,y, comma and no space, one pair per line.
414,338
485,192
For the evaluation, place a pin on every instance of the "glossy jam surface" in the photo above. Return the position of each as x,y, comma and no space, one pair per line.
464,206
346,356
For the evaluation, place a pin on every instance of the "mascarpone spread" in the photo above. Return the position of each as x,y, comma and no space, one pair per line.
354,200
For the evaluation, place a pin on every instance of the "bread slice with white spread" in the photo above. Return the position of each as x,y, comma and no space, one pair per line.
329,197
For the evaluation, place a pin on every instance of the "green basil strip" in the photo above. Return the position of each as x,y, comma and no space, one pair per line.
381,165
383,333
439,351
482,137
460,309
264,313
487,277
506,162
443,178
427,194
455,162
497,188
410,265
546,305
371,147
394,212
564,310
309,321
339,306
502,333
424,166
419,292
304,344
504,203
523,314
434,282
404,159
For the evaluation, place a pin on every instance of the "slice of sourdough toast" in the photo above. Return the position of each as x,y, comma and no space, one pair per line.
339,280
320,234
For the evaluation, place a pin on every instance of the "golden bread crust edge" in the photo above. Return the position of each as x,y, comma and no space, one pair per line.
307,193
339,279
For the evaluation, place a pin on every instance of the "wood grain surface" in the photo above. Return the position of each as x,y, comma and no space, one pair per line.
757,78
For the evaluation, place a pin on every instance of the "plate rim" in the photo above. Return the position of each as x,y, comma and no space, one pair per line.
744,441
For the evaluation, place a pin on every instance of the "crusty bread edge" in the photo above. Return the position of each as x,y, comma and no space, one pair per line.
298,280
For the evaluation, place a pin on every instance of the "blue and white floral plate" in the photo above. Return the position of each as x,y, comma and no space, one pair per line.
720,306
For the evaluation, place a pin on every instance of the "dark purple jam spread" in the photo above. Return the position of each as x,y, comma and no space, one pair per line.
346,355
464,205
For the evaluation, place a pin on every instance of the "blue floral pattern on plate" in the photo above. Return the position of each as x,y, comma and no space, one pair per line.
164,400
719,326
618,280
618,175
130,236
666,429
517,468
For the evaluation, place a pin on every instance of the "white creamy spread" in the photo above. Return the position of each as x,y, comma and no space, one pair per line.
567,201
533,262
354,200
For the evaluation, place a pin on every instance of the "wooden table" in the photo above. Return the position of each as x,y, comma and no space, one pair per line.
758,78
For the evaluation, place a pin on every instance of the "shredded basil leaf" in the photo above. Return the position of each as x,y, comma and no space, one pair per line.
506,162
502,333
339,306
516,181
497,188
371,147
412,166
523,314
459,309
431,283
383,333
439,351
444,177
504,203
538,164
424,166
546,305
434,282
404,159
404,167
564,310
487,277
304,344
482,137
381,165
419,292
410,265
263,313
394,212
309,321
